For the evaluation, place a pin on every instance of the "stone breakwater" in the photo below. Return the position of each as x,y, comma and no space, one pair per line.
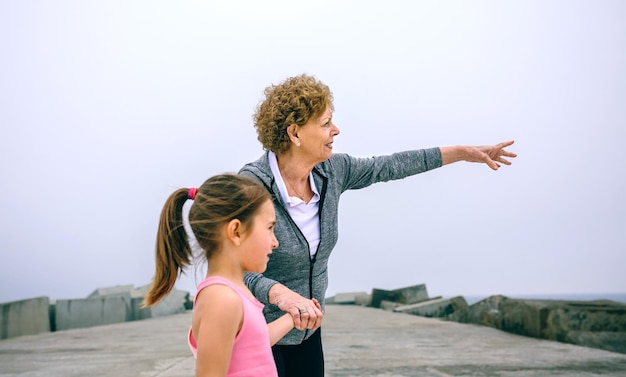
103,306
597,324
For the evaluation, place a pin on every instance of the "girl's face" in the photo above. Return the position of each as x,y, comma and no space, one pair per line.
316,137
260,239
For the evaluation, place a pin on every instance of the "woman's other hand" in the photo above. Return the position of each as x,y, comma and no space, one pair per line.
306,313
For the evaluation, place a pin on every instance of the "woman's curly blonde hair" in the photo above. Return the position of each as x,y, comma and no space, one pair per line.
296,100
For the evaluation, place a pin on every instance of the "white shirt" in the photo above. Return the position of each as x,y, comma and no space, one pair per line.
305,215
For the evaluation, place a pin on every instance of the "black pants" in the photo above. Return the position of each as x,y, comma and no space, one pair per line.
302,360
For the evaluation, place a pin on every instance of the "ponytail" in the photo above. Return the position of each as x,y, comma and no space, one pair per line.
173,252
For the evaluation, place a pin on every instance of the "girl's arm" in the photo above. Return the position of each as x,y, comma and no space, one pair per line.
218,317
280,327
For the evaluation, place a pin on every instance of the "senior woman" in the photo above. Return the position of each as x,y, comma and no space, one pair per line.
294,123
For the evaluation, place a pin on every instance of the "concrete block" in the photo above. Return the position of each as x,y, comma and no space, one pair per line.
108,291
78,313
380,295
389,305
175,302
503,313
24,317
406,295
363,300
348,298
607,340
437,308
412,294
523,317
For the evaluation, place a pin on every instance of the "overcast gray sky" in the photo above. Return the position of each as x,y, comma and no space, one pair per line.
107,107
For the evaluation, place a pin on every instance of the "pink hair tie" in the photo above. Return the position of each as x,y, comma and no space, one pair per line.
192,193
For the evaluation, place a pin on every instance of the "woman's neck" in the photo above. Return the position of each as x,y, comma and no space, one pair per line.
293,168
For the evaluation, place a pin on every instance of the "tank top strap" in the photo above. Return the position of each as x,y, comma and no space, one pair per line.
211,280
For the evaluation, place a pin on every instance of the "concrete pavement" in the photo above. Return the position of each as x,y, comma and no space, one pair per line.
358,341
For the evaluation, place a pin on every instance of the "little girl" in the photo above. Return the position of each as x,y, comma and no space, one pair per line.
232,219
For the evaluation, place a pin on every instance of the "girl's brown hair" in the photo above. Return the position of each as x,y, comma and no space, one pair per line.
220,199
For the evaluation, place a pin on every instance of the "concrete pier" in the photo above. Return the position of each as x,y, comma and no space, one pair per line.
358,341
25,317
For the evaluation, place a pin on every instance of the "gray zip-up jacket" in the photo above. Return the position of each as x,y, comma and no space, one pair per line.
290,263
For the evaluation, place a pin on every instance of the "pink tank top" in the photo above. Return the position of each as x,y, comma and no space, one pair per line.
252,353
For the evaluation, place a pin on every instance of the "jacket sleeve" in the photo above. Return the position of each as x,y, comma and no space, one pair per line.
362,172
259,285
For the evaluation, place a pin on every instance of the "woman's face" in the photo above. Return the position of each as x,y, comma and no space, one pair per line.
316,137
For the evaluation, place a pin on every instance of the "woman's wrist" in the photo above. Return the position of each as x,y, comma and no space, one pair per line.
453,154
275,293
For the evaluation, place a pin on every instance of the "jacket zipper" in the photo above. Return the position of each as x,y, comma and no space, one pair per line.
319,216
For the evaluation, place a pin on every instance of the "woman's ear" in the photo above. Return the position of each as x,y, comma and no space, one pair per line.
234,231
292,131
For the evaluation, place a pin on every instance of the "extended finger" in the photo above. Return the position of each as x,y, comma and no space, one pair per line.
492,164
315,315
296,316
309,318
320,316
508,154
502,160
